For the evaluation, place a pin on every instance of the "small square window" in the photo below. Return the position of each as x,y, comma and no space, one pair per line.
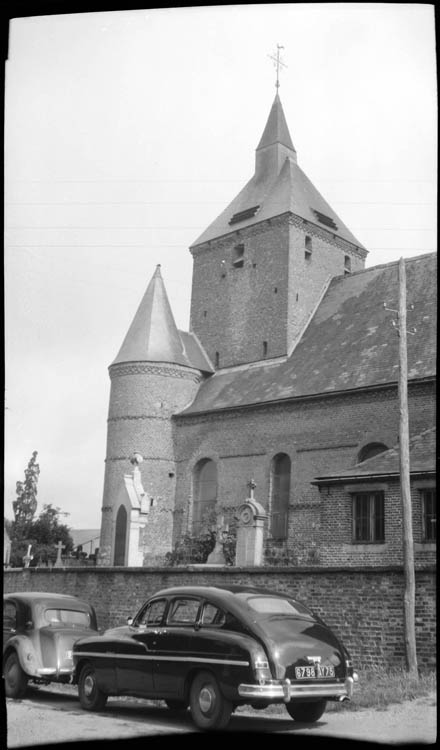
238,256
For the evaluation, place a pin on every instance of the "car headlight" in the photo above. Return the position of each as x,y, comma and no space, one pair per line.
69,654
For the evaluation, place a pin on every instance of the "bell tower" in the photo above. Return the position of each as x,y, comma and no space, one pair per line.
262,266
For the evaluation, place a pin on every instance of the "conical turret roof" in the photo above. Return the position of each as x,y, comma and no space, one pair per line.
278,186
153,335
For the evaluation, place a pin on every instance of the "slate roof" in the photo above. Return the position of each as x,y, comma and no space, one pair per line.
277,191
153,335
350,342
82,536
422,455
276,130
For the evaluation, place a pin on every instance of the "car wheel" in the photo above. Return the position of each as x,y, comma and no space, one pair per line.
306,712
90,696
209,709
15,679
177,705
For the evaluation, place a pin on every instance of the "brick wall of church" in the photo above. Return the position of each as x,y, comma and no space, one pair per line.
320,435
143,398
363,606
235,309
311,266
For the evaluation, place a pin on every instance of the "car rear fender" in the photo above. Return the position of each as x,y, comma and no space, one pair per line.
28,657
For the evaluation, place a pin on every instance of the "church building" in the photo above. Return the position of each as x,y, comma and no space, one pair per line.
287,380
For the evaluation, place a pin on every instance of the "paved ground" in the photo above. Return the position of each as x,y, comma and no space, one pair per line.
53,715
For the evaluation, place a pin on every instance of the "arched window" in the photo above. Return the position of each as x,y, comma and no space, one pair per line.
120,536
205,492
370,450
280,484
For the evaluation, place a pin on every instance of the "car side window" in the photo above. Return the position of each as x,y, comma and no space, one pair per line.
9,615
183,611
212,615
153,614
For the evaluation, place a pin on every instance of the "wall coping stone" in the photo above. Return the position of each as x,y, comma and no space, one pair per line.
226,569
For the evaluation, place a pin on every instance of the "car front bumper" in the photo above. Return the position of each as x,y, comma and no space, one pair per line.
285,690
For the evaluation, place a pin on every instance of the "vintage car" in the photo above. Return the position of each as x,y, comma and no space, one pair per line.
39,630
214,649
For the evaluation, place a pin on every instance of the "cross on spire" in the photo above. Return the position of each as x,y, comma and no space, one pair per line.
278,64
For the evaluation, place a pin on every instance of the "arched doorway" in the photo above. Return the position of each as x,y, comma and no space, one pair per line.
280,484
120,536
205,492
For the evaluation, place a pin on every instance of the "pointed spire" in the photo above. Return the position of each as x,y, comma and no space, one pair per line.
276,130
153,334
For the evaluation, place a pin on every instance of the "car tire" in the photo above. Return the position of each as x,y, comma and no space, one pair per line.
90,695
176,705
16,679
306,712
209,709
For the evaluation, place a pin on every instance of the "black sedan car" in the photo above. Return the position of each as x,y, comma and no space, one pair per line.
216,648
39,630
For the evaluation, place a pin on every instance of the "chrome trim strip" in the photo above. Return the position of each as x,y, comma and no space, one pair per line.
48,670
199,660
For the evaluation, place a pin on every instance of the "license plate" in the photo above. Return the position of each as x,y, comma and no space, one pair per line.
307,673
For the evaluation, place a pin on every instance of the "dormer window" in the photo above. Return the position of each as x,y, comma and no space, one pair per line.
248,213
238,256
323,219
308,248
347,265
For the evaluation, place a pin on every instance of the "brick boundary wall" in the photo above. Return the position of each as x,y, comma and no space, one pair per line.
363,606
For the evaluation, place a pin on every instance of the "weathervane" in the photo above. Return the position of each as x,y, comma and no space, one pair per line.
278,64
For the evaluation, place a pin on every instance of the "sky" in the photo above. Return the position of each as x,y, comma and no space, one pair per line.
127,132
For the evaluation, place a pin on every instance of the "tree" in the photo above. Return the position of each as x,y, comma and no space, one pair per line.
45,532
26,503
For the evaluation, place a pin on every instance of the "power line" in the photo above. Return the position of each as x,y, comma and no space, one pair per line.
181,226
157,245
191,203
200,180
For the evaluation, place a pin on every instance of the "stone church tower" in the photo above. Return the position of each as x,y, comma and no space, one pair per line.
260,271
261,268
155,374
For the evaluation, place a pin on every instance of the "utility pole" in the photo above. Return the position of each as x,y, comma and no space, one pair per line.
405,488
405,491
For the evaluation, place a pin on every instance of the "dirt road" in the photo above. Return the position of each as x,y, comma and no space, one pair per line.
49,716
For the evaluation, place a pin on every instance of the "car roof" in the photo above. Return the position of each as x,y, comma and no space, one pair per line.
218,590
41,596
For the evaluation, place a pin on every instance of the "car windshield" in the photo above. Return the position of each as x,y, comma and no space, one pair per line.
275,605
67,618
